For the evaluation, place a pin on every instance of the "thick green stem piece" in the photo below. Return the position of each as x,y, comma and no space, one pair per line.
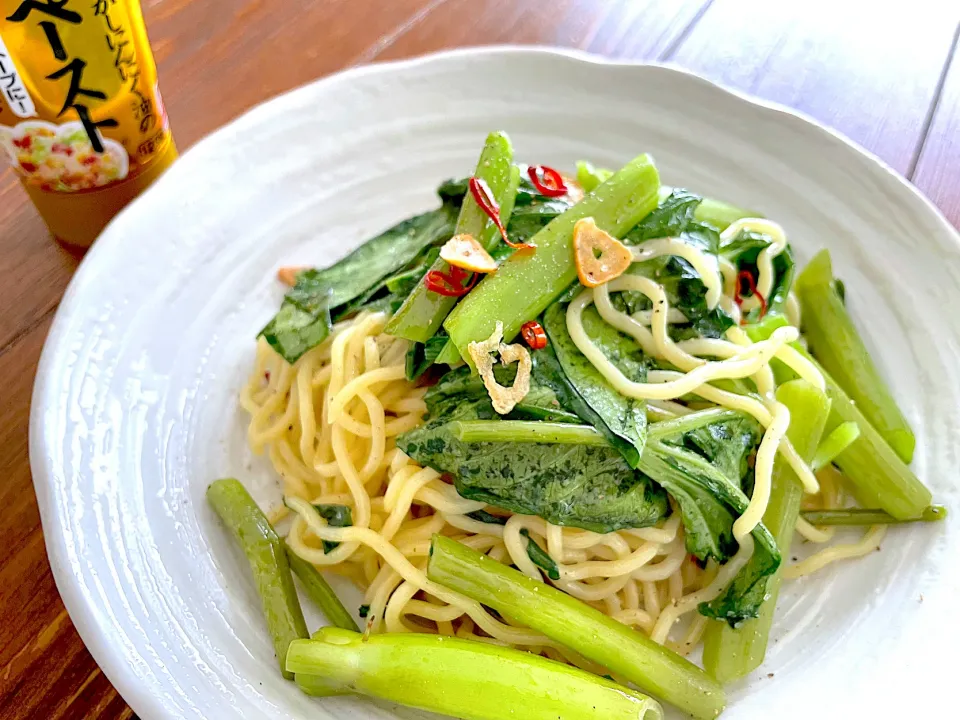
868,516
423,311
525,431
526,284
268,561
595,636
728,653
462,678
320,592
839,439
449,355
880,478
837,345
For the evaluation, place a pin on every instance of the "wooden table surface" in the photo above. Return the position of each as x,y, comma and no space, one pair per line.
889,79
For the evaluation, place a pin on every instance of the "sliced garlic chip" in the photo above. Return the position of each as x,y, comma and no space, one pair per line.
504,398
599,256
463,251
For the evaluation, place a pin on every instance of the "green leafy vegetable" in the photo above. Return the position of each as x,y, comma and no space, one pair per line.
621,419
304,318
532,211
421,356
485,517
336,516
421,314
701,460
675,216
743,251
527,284
539,557
294,331
461,388
730,653
585,486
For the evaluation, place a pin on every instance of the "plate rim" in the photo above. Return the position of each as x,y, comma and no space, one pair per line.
96,635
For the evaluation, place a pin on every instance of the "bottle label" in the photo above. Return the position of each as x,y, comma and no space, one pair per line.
79,103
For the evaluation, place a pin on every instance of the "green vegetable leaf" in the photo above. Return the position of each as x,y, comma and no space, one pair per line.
485,517
303,320
336,516
421,356
459,388
532,211
585,486
293,331
622,420
675,217
539,557
701,459
743,250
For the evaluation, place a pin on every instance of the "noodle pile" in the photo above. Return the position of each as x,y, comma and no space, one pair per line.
328,424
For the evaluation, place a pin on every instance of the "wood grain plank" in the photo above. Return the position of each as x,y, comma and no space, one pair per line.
871,74
45,670
609,27
937,171
261,50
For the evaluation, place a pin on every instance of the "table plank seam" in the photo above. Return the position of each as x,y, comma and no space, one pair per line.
671,49
934,105
386,40
29,328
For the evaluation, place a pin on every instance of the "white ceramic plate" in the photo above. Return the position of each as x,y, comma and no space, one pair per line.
135,409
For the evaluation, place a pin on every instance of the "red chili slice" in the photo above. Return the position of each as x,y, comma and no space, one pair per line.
744,276
449,284
481,193
547,181
534,335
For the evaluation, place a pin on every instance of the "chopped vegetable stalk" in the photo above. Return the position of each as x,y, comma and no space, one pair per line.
840,438
868,516
523,431
589,177
588,631
526,284
834,341
462,678
540,557
268,561
320,592
880,478
730,653
423,311
449,355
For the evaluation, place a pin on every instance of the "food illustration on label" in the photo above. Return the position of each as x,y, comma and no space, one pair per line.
61,157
